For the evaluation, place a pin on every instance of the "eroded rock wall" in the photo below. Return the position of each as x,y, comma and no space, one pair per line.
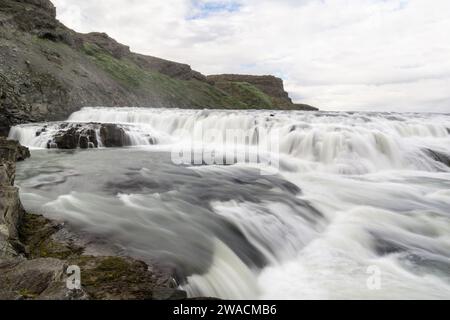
11,210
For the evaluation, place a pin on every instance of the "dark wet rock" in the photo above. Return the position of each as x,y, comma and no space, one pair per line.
73,136
84,136
49,71
41,131
113,135
35,254
11,210
12,150
65,140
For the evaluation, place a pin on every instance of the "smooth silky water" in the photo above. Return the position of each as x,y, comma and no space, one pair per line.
355,191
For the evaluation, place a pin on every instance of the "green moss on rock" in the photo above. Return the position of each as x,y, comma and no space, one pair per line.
36,234
112,278
102,278
26,294
247,93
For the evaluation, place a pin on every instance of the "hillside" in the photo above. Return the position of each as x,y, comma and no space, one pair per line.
48,71
265,91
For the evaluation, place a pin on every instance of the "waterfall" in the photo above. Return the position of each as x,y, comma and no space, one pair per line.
343,143
351,193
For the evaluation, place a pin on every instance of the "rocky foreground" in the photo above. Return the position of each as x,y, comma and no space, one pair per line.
35,254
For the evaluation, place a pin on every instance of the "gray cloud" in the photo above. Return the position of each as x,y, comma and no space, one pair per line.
336,54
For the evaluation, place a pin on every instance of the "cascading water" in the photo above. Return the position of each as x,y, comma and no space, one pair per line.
354,192
341,143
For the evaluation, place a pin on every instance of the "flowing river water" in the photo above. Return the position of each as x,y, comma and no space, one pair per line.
359,207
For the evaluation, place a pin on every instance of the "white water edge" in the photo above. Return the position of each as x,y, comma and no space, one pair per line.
375,192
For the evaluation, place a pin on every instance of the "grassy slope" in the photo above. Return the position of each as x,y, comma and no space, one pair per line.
247,93
193,93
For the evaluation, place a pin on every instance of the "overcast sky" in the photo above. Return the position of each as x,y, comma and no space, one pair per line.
390,55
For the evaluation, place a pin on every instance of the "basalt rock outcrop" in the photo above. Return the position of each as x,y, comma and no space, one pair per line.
113,135
92,135
48,71
12,151
11,210
73,137
87,135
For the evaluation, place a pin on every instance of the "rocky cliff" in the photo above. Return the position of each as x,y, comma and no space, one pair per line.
258,91
48,71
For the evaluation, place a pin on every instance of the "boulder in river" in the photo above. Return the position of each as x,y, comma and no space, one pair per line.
73,136
87,135
11,150
113,135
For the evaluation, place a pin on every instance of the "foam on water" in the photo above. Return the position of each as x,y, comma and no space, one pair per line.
344,143
354,191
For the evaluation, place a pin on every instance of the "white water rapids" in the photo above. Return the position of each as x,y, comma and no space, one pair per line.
355,192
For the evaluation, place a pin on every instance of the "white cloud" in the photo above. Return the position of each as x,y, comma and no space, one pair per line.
336,54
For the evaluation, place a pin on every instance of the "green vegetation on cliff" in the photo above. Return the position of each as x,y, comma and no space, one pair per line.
247,93
196,93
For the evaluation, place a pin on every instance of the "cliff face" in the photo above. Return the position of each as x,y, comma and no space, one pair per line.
48,71
11,211
269,89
